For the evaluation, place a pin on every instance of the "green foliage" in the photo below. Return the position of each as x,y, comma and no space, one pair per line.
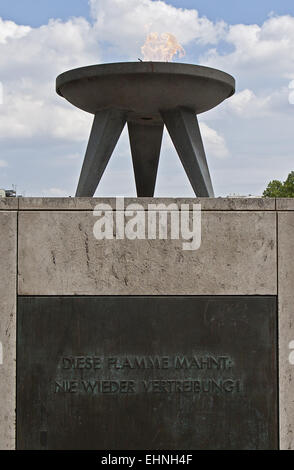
278,189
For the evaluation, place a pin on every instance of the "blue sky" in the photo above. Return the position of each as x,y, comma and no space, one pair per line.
248,139
238,11
38,12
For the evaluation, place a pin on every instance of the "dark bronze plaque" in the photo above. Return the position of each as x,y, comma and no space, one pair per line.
147,373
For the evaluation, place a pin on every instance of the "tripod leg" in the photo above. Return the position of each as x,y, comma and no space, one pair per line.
107,127
145,141
183,128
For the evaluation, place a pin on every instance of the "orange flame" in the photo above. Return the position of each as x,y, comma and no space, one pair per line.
161,47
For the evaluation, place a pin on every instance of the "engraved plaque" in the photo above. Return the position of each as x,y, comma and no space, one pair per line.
147,373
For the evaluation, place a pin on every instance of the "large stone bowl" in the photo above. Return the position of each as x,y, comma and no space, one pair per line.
145,88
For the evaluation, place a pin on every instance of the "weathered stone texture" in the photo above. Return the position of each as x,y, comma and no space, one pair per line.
58,255
286,327
8,228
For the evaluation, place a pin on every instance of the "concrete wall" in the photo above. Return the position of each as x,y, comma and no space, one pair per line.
247,247
8,257
285,223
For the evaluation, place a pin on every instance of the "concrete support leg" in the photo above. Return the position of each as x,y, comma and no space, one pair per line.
182,125
107,127
145,141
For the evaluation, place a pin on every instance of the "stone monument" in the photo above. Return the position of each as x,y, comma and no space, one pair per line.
137,343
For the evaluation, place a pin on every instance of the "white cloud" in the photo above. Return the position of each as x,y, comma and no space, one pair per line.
262,61
240,101
29,64
246,104
263,52
48,50
9,29
214,143
3,164
125,24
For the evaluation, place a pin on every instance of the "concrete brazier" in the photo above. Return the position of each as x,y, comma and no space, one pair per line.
147,96
143,89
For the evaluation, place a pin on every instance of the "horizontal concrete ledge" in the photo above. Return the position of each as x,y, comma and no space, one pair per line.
207,204
8,203
285,204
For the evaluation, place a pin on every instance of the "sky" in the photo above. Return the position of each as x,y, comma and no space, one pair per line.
249,138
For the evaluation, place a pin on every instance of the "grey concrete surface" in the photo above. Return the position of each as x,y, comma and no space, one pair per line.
8,231
145,142
88,203
183,128
144,88
58,255
286,327
106,130
285,204
8,203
